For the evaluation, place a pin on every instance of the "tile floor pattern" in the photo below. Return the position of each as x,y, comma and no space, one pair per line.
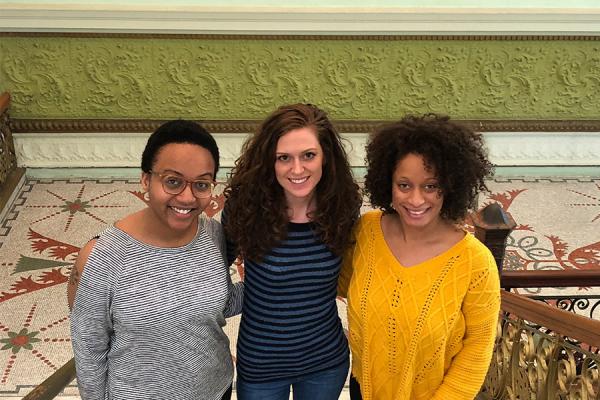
48,220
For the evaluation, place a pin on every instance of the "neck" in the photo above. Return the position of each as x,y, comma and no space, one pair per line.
298,209
427,233
163,236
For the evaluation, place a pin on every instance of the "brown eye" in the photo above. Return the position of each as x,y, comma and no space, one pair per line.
172,182
202,186
431,188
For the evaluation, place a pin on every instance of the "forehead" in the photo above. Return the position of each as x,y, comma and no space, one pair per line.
298,140
185,158
413,166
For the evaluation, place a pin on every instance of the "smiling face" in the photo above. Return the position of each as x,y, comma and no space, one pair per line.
415,193
178,214
299,163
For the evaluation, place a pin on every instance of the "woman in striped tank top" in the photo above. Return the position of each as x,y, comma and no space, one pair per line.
154,292
291,204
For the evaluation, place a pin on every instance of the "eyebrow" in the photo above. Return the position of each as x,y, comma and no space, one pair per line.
204,175
313,149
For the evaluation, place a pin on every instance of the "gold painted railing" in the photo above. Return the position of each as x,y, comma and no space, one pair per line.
543,353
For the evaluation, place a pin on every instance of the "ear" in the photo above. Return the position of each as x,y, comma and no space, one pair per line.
145,181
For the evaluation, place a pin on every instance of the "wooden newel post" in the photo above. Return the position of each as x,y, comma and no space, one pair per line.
492,227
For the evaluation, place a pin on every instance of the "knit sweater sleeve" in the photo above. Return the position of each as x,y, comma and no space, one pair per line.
91,322
481,307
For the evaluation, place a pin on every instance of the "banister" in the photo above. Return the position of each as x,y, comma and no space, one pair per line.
4,102
550,278
582,329
54,384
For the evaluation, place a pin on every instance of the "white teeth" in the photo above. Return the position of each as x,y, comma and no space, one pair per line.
182,210
301,180
416,212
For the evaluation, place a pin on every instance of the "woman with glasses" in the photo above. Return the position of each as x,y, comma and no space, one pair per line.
150,295
289,211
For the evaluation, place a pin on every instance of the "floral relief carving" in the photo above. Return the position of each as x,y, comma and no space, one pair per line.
34,74
577,82
195,81
349,81
116,79
507,81
244,78
270,76
430,81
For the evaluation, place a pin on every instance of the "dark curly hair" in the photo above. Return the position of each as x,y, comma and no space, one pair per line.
256,211
454,152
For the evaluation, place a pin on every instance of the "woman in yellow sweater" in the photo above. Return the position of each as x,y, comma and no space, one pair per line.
423,294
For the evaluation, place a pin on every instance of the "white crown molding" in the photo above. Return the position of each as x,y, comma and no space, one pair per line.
179,19
116,150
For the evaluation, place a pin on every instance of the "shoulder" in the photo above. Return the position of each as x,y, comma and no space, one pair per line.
213,228
369,219
83,255
367,223
109,249
476,249
479,258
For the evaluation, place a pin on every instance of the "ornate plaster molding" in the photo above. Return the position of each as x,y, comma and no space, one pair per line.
294,20
214,78
123,149
244,126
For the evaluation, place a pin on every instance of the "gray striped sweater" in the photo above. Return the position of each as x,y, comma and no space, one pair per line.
147,321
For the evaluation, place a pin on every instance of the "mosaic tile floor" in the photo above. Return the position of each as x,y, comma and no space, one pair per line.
49,220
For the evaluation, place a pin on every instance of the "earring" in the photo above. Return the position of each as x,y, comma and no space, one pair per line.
146,196
392,205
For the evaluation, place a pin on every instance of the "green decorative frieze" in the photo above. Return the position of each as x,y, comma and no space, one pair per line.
215,78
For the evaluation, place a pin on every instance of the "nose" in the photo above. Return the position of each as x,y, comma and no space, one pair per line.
416,198
297,167
187,194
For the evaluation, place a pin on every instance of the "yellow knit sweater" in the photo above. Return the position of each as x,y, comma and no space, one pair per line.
423,332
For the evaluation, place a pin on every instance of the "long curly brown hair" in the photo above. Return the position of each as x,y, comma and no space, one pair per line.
256,209
456,154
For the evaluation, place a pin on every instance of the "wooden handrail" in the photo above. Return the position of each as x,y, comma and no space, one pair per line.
582,329
53,385
4,102
550,278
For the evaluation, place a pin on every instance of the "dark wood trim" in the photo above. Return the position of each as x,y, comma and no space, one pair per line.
4,102
353,36
553,278
20,125
54,384
582,329
10,185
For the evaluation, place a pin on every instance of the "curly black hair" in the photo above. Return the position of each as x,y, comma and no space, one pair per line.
256,208
453,151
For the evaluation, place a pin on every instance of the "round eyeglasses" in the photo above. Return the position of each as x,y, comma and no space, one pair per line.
174,184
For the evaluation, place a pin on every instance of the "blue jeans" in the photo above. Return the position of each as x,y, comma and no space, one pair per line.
323,385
